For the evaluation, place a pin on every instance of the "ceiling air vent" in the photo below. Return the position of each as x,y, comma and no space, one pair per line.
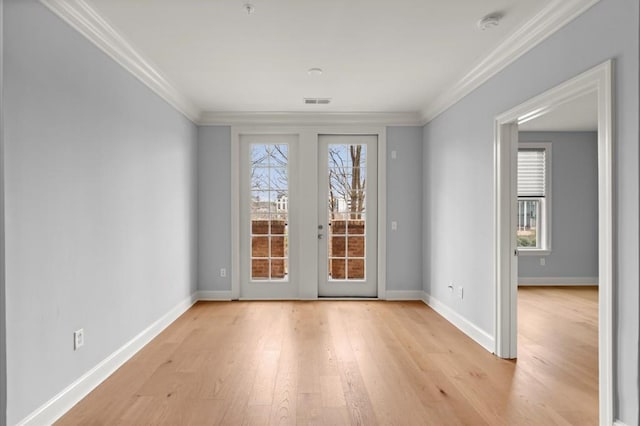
317,101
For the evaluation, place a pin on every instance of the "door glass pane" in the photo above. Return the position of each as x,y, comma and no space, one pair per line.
269,212
346,211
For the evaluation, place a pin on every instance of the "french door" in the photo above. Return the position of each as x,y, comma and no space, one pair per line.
347,203
269,254
307,219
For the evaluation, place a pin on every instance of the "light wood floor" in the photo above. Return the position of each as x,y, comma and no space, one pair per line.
355,362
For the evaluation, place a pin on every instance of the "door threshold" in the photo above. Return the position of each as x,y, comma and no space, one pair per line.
328,298
348,298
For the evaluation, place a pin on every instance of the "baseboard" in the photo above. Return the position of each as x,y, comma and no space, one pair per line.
404,295
557,281
209,295
57,406
467,327
618,423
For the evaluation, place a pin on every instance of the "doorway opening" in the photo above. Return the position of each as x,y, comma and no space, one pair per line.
597,81
557,240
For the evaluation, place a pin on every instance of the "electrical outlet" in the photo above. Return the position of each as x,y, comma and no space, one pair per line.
223,272
460,292
543,261
78,339
394,154
394,225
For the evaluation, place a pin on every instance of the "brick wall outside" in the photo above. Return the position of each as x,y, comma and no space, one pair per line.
349,236
347,239
260,248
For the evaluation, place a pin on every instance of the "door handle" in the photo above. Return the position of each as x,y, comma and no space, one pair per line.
320,236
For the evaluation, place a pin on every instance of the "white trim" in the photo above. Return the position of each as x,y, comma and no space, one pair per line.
210,295
533,252
557,281
619,423
504,242
96,29
234,206
554,16
382,213
57,406
310,119
598,79
404,295
480,336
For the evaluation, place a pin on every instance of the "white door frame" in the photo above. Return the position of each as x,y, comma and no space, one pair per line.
307,145
598,80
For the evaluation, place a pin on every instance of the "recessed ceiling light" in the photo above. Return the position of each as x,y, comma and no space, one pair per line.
249,8
490,21
314,71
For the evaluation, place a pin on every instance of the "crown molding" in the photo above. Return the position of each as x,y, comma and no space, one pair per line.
308,118
94,27
554,16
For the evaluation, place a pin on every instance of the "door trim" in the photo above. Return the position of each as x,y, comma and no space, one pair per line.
600,80
308,136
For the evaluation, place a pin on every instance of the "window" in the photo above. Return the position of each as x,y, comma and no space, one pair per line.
534,198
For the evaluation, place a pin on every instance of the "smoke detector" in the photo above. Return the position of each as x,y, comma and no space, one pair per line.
489,21
249,8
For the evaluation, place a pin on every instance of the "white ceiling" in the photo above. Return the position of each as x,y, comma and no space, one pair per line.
377,55
578,115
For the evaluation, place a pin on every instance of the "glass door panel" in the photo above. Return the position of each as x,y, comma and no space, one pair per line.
347,193
265,259
269,211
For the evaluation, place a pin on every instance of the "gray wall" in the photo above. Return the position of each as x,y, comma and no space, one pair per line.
100,205
404,205
404,200
3,314
458,176
214,207
574,207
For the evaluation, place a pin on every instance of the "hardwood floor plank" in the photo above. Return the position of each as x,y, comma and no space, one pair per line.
358,363
332,392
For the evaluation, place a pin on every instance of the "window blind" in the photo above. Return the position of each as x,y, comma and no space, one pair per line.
531,172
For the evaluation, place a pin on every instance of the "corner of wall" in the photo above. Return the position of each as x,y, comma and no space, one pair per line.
478,335
56,407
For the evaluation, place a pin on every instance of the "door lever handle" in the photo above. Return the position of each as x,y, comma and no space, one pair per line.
320,236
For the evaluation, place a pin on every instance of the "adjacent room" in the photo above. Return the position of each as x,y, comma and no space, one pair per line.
295,212
558,248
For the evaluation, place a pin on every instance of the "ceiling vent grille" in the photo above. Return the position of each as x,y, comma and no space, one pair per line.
317,101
